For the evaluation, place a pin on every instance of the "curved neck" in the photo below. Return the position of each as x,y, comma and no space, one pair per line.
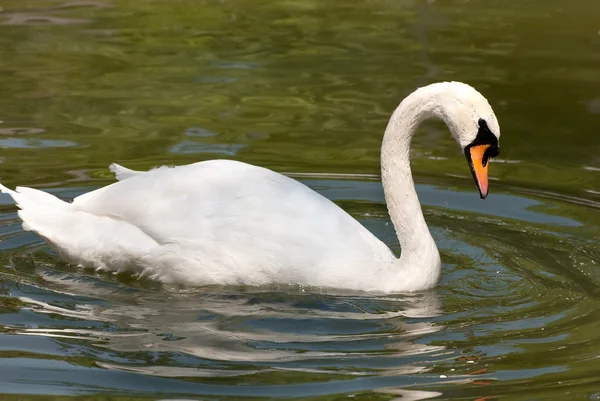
418,247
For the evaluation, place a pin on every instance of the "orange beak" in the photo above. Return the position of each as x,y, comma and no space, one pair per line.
479,163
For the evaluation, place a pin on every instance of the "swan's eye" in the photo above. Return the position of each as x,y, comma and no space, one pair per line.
486,137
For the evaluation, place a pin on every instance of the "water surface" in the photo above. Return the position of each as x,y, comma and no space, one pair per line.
306,88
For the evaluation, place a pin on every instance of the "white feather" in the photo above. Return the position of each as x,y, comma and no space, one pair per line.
121,173
226,222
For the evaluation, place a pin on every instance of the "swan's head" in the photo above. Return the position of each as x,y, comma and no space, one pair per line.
474,126
479,153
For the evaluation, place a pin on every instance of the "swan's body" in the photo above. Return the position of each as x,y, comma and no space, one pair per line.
226,222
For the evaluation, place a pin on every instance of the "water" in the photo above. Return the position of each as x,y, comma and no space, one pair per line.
306,88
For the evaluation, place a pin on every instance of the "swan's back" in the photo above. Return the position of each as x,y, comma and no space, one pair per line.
229,222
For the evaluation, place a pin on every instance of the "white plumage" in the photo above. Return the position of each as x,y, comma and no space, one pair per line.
227,222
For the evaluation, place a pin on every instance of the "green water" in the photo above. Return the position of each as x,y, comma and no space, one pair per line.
307,87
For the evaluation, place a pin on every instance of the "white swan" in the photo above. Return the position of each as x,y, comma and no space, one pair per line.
226,222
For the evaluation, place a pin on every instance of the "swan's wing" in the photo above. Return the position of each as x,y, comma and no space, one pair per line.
234,214
122,173
217,198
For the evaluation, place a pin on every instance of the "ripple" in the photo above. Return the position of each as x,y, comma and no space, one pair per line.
199,132
215,80
513,288
30,143
78,4
236,65
191,147
593,106
32,19
21,131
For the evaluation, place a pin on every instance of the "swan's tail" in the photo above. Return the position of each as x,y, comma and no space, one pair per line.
79,237
27,198
122,173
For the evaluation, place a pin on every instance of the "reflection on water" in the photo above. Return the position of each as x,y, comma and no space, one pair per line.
21,131
33,143
32,19
198,147
497,300
199,132
306,88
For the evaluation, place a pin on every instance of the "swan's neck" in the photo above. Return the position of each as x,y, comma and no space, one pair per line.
419,252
